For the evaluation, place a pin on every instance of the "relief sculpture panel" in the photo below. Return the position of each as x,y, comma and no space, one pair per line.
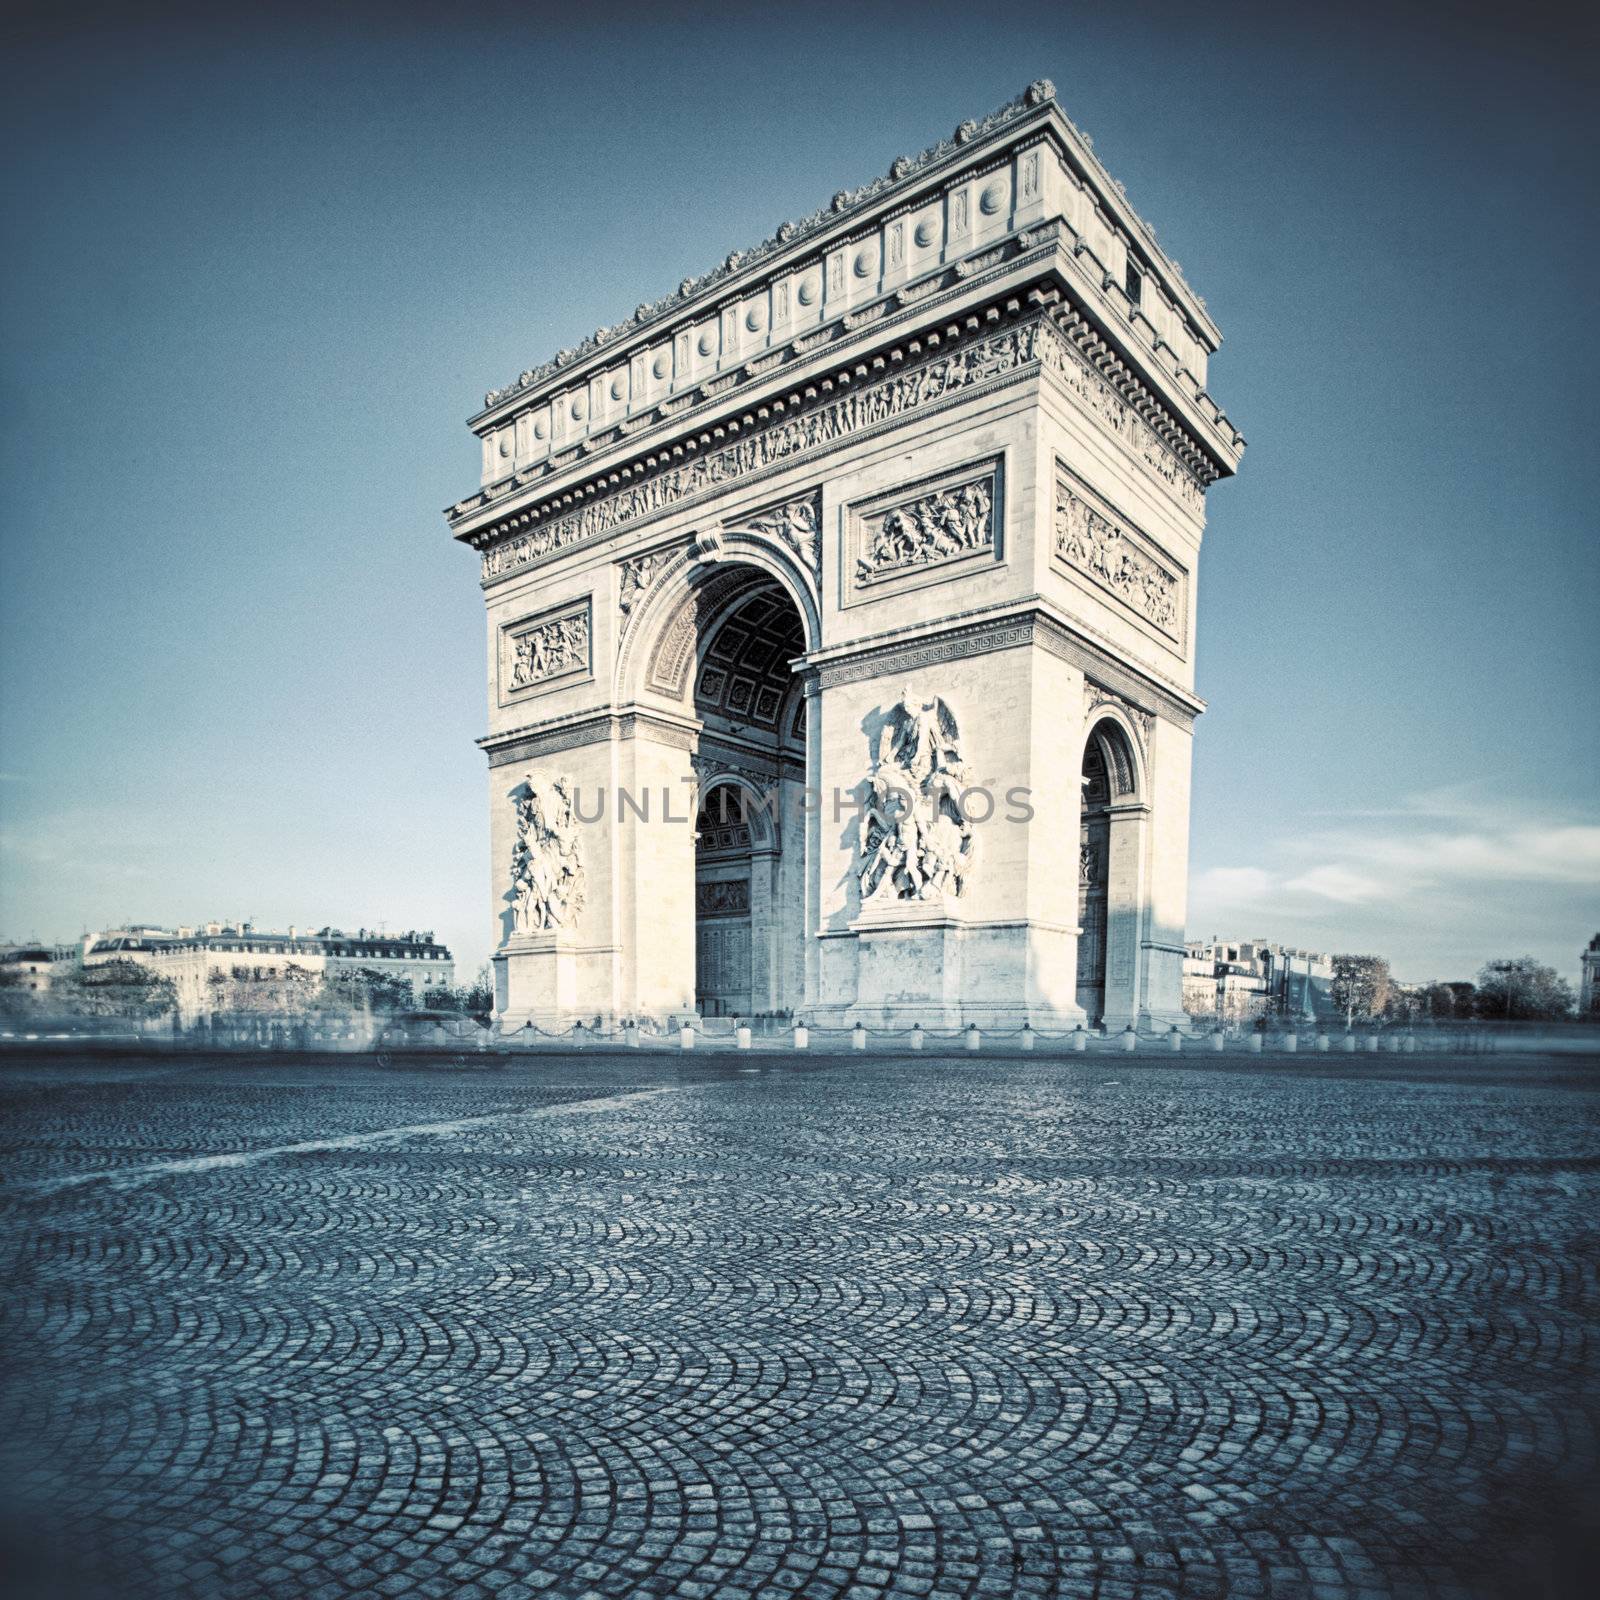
925,532
1095,541
545,652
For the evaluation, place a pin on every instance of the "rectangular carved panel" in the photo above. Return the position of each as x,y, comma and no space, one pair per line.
546,651
1097,542
924,532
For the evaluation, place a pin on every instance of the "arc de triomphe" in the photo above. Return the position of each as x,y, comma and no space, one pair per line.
841,612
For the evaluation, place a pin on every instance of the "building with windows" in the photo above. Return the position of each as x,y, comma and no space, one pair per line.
1240,980
211,964
888,526
32,968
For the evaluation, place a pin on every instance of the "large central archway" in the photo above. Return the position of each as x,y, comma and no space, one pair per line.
749,880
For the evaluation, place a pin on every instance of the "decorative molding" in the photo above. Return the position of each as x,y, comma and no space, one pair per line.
1089,369
546,651
633,724
915,842
1097,542
782,438
897,659
940,522
539,739
903,170
1095,695
670,663
547,881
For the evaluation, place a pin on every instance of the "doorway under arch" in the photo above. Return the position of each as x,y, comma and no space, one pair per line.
749,866
1110,779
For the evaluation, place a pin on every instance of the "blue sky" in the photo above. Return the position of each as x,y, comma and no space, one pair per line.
257,273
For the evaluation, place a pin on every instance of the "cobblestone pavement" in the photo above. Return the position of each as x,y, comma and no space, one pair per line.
618,1326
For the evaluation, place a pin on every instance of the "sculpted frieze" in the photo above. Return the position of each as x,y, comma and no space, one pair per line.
1060,356
779,441
1106,550
548,648
927,530
726,897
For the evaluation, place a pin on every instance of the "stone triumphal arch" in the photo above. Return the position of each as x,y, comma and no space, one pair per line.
841,614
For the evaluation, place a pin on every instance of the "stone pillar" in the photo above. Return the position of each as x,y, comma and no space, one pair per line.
657,877
1126,901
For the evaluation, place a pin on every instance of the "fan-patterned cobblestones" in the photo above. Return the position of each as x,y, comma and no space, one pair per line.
833,1328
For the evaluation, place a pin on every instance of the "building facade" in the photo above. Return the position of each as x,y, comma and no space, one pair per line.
841,613
212,964
1238,981
33,968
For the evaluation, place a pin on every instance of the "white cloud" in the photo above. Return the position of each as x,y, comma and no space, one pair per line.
1233,885
1335,882
1448,876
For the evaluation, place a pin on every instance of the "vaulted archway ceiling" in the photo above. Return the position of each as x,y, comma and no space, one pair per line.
744,678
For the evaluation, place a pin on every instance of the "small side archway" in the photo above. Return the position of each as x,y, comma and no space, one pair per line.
1109,870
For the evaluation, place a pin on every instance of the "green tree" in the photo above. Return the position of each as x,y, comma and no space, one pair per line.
364,989
1361,987
115,989
1520,989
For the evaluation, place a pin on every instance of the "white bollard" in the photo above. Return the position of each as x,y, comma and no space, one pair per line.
1291,1042
917,1036
1218,1041
802,1036
1348,1044
742,1035
1322,1043
1409,1043
1130,1039
1175,1041
630,1035
974,1038
1027,1036
858,1037
1253,1044
686,1036
1080,1040
1372,1044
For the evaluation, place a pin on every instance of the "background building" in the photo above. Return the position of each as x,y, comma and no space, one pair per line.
1241,980
217,957
34,967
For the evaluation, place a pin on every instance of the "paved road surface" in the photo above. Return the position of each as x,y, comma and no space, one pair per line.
730,1328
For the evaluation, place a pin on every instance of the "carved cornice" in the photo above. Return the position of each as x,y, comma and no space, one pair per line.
957,358
597,727
931,649
846,203
1013,628
1114,379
